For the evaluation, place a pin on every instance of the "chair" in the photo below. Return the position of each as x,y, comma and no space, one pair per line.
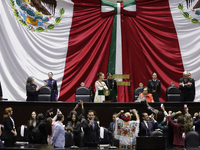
44,94
105,140
137,92
68,139
82,93
22,137
156,134
172,94
192,140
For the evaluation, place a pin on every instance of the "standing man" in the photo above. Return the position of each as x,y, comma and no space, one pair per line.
58,138
112,86
155,87
1,94
53,85
111,128
186,85
147,126
91,129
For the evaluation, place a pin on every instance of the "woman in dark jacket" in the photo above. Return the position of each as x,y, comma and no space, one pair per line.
9,128
31,125
74,126
42,128
31,90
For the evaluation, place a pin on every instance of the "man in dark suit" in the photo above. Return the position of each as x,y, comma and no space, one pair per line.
154,87
112,86
91,129
111,128
196,122
53,85
1,94
187,87
147,126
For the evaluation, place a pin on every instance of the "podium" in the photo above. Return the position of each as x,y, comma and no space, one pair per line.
107,93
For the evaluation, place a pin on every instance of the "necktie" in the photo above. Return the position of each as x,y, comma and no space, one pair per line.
148,124
113,126
93,126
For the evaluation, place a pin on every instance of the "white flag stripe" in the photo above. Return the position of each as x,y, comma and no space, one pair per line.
118,61
106,8
189,37
130,8
25,53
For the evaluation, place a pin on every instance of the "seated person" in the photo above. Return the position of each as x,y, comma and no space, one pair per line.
91,129
147,126
145,95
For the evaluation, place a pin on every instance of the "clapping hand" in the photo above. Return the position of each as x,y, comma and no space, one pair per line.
181,84
37,89
91,123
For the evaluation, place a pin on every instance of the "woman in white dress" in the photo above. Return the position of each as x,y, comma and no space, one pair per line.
100,85
126,130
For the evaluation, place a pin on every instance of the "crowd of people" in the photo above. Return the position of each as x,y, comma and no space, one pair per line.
125,127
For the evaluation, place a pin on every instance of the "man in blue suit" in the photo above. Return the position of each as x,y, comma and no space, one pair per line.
53,85
58,138
147,126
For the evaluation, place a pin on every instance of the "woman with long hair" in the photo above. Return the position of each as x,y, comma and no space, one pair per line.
126,130
50,126
31,90
31,125
178,128
9,128
74,126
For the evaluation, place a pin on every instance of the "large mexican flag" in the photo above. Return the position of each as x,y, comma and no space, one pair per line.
83,38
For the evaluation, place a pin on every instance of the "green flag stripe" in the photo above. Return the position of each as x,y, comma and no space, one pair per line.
112,56
128,3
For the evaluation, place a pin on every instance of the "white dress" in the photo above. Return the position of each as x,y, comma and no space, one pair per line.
99,98
126,134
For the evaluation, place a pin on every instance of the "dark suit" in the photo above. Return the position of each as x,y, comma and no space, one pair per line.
91,135
1,94
30,128
155,89
111,129
54,90
197,125
76,132
187,91
112,85
31,93
144,131
7,134
42,127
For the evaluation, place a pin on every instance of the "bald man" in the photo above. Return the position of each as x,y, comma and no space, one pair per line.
187,87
